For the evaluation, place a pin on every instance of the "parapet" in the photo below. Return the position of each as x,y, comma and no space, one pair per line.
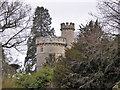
50,40
67,26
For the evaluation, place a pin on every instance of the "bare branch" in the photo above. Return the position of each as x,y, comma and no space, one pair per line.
14,16
109,13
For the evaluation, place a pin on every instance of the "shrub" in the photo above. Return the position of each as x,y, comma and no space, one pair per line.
37,80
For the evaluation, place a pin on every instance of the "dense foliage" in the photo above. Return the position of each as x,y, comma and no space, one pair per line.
92,62
41,27
50,61
39,80
109,15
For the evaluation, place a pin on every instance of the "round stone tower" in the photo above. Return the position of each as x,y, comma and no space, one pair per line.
67,32
54,45
49,45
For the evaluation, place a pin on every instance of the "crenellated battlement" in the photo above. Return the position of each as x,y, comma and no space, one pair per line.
54,45
50,40
67,26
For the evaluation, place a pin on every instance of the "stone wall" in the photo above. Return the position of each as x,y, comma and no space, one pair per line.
46,46
54,45
69,35
43,40
67,32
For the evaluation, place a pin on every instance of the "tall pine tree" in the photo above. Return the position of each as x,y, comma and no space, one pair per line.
41,27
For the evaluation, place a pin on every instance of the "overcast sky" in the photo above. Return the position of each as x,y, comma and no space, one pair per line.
75,11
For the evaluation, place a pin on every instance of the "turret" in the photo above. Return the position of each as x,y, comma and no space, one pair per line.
47,46
67,32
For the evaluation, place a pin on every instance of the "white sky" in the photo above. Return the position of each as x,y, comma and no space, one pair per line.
75,11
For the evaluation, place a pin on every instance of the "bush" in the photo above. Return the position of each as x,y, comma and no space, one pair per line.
37,80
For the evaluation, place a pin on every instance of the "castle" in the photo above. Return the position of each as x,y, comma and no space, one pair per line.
54,45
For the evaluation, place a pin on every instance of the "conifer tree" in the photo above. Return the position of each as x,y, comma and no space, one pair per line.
41,27
92,62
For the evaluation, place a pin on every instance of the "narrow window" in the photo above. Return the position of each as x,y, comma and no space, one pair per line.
41,49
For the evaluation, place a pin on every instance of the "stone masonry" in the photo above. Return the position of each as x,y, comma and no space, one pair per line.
54,45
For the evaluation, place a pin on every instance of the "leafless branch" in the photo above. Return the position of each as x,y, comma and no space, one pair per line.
15,17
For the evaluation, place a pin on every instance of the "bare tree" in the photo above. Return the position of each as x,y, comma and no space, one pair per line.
14,22
109,13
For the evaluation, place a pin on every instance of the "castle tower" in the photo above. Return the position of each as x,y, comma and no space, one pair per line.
54,45
47,46
67,32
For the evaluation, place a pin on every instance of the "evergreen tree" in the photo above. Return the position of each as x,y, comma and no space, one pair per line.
50,61
41,27
41,23
92,62
30,59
